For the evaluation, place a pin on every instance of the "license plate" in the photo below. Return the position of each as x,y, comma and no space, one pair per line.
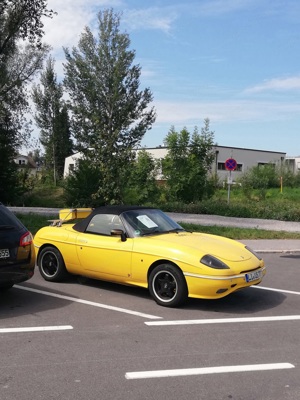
4,253
254,276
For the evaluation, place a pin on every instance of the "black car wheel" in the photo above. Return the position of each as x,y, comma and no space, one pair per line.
51,264
167,286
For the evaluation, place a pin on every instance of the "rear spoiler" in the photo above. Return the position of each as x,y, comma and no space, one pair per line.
68,214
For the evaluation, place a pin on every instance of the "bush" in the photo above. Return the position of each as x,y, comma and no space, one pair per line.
82,185
284,207
48,196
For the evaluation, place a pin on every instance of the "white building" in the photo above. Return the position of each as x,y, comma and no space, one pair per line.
293,164
245,159
26,163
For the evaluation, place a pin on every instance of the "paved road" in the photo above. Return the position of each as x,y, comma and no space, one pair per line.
88,341
255,223
211,220
201,219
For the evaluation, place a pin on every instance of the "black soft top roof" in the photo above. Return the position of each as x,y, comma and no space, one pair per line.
114,210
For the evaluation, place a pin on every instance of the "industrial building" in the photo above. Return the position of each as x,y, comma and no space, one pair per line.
244,158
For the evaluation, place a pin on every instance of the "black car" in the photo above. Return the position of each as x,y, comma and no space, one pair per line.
17,254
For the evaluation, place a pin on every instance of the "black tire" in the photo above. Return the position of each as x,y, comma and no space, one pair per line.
167,286
51,264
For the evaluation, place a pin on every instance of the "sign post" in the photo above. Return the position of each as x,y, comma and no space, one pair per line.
230,165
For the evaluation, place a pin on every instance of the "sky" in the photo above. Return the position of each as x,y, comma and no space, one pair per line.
235,62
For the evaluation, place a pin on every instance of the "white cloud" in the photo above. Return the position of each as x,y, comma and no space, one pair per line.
229,111
277,84
150,18
65,28
72,16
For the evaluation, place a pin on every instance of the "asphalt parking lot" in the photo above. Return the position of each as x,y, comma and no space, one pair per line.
96,340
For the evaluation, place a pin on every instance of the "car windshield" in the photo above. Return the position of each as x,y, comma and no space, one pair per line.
149,222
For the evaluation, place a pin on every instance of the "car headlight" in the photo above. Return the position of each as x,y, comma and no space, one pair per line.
253,252
213,262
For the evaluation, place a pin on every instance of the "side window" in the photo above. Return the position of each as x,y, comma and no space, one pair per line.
103,224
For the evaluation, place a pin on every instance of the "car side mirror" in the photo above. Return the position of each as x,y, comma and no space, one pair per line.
119,232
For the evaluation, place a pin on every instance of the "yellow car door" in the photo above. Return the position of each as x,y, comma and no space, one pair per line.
102,254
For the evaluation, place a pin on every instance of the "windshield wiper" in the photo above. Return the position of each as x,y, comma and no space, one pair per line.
154,232
157,232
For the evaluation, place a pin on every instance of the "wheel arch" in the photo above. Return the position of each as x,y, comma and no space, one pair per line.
174,292
160,262
54,269
47,245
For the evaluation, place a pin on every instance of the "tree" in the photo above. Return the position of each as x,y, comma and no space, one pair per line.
175,164
19,20
201,157
142,186
110,114
64,141
81,184
9,187
52,118
188,162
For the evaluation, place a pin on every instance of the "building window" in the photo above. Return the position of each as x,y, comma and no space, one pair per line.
71,167
262,164
221,167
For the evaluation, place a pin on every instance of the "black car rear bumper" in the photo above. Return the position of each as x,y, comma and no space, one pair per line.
11,274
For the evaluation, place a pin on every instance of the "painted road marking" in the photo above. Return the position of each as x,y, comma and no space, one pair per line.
89,303
206,371
36,329
224,320
276,290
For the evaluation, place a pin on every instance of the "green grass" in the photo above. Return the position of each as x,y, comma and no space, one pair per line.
241,233
34,222
45,196
274,204
283,206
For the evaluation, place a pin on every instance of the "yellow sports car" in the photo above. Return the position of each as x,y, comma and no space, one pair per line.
143,247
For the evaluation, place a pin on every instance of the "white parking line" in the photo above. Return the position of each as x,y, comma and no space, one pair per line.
36,329
89,303
206,371
276,290
223,320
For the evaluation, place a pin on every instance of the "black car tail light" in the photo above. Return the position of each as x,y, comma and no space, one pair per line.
26,239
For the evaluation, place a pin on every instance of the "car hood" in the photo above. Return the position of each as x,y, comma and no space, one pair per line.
218,246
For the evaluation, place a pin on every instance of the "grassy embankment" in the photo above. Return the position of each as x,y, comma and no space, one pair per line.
271,204
35,222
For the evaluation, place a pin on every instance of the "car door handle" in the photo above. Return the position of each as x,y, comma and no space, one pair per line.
82,241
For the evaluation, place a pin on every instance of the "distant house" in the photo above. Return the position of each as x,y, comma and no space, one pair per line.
26,163
293,164
245,159
70,163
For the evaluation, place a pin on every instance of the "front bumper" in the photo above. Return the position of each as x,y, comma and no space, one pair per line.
215,287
